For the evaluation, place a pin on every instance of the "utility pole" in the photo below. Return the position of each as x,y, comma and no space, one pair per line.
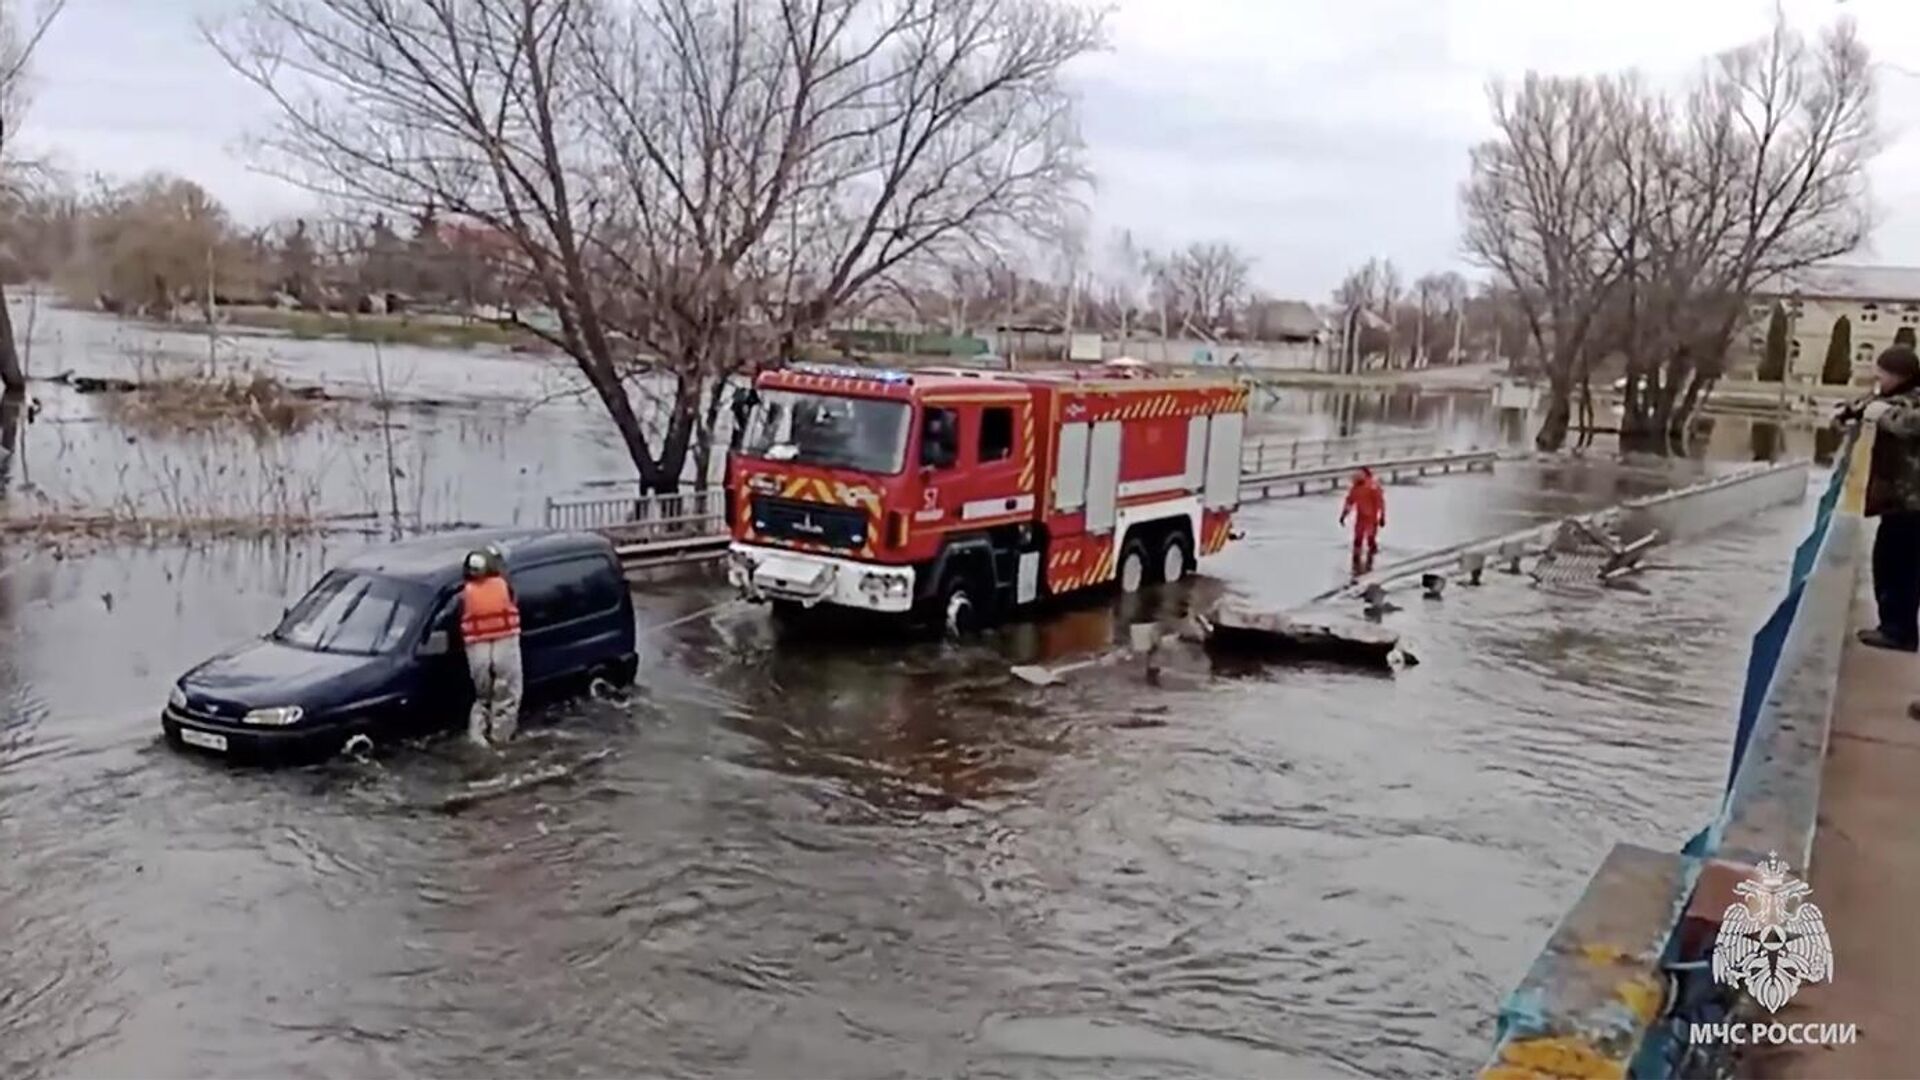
213,335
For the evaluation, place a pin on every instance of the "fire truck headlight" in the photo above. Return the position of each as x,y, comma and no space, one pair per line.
886,585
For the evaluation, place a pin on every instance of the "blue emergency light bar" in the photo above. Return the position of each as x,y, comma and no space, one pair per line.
835,371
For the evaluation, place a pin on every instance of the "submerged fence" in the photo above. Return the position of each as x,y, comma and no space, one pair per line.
1625,975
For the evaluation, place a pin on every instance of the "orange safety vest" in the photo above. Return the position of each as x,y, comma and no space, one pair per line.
487,611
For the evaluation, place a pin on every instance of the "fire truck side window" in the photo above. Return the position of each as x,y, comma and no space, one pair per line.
996,434
940,439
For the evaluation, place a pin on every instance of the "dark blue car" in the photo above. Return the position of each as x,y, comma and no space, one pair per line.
374,648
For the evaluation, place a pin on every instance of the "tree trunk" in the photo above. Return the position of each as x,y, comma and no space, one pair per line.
1586,407
679,438
13,379
709,427
1697,388
613,394
1553,429
12,403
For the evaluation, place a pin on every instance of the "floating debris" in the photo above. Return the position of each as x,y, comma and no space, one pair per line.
1236,628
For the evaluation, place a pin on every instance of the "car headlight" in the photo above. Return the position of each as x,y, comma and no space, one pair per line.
280,716
177,698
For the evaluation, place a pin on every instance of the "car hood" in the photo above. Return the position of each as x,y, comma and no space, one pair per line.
263,674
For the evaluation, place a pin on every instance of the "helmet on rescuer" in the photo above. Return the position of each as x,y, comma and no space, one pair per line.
478,564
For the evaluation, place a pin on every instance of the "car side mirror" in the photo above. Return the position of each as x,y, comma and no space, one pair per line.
437,644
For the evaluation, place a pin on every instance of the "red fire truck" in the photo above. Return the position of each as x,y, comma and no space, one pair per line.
962,495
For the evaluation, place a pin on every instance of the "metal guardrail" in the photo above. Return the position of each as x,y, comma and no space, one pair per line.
1263,453
1620,985
664,530
1294,483
631,519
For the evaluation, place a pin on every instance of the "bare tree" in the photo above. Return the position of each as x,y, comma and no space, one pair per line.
1209,280
157,242
1766,175
1372,286
687,185
21,30
1124,270
1624,222
1537,202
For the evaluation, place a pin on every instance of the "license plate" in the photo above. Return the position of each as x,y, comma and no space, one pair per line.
205,740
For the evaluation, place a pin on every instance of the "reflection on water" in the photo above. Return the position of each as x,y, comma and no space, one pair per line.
861,858
478,435
1462,418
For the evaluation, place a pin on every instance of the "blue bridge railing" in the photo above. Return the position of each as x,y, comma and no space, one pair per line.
1622,977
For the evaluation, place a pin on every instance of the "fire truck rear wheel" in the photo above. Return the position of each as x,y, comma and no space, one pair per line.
1176,557
1133,567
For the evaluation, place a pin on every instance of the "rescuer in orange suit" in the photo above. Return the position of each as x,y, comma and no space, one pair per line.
490,632
1367,505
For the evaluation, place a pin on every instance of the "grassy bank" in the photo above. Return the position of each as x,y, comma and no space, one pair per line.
430,331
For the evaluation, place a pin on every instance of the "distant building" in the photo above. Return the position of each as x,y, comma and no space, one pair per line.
1292,321
1877,301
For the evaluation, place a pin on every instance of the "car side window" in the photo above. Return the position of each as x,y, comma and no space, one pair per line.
559,592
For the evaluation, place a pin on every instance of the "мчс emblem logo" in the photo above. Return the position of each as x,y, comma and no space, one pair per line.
1772,942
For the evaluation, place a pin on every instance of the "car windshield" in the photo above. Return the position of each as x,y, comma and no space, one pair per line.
361,614
821,429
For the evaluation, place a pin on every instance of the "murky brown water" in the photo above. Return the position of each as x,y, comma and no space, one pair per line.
848,858
861,858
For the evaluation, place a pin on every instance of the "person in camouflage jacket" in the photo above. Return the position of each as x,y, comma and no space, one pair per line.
1893,496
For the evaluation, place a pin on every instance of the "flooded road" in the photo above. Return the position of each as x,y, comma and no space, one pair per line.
865,858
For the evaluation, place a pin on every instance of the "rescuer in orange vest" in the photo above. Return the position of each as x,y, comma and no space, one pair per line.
1367,504
490,631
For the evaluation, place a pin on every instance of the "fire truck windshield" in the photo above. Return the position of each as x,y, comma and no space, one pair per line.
863,434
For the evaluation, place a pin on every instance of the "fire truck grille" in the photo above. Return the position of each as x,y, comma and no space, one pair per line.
812,523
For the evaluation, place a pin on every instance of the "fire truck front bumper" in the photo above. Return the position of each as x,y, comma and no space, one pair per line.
763,573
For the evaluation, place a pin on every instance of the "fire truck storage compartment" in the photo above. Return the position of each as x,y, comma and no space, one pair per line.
1223,461
1103,476
1196,474
1070,474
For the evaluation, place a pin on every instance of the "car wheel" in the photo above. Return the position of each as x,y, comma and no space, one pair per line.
1133,567
788,613
1176,557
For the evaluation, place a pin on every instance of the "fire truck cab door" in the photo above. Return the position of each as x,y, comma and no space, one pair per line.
1103,476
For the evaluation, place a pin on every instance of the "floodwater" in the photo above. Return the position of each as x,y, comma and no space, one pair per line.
856,858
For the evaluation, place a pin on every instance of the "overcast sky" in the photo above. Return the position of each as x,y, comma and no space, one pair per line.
1313,133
